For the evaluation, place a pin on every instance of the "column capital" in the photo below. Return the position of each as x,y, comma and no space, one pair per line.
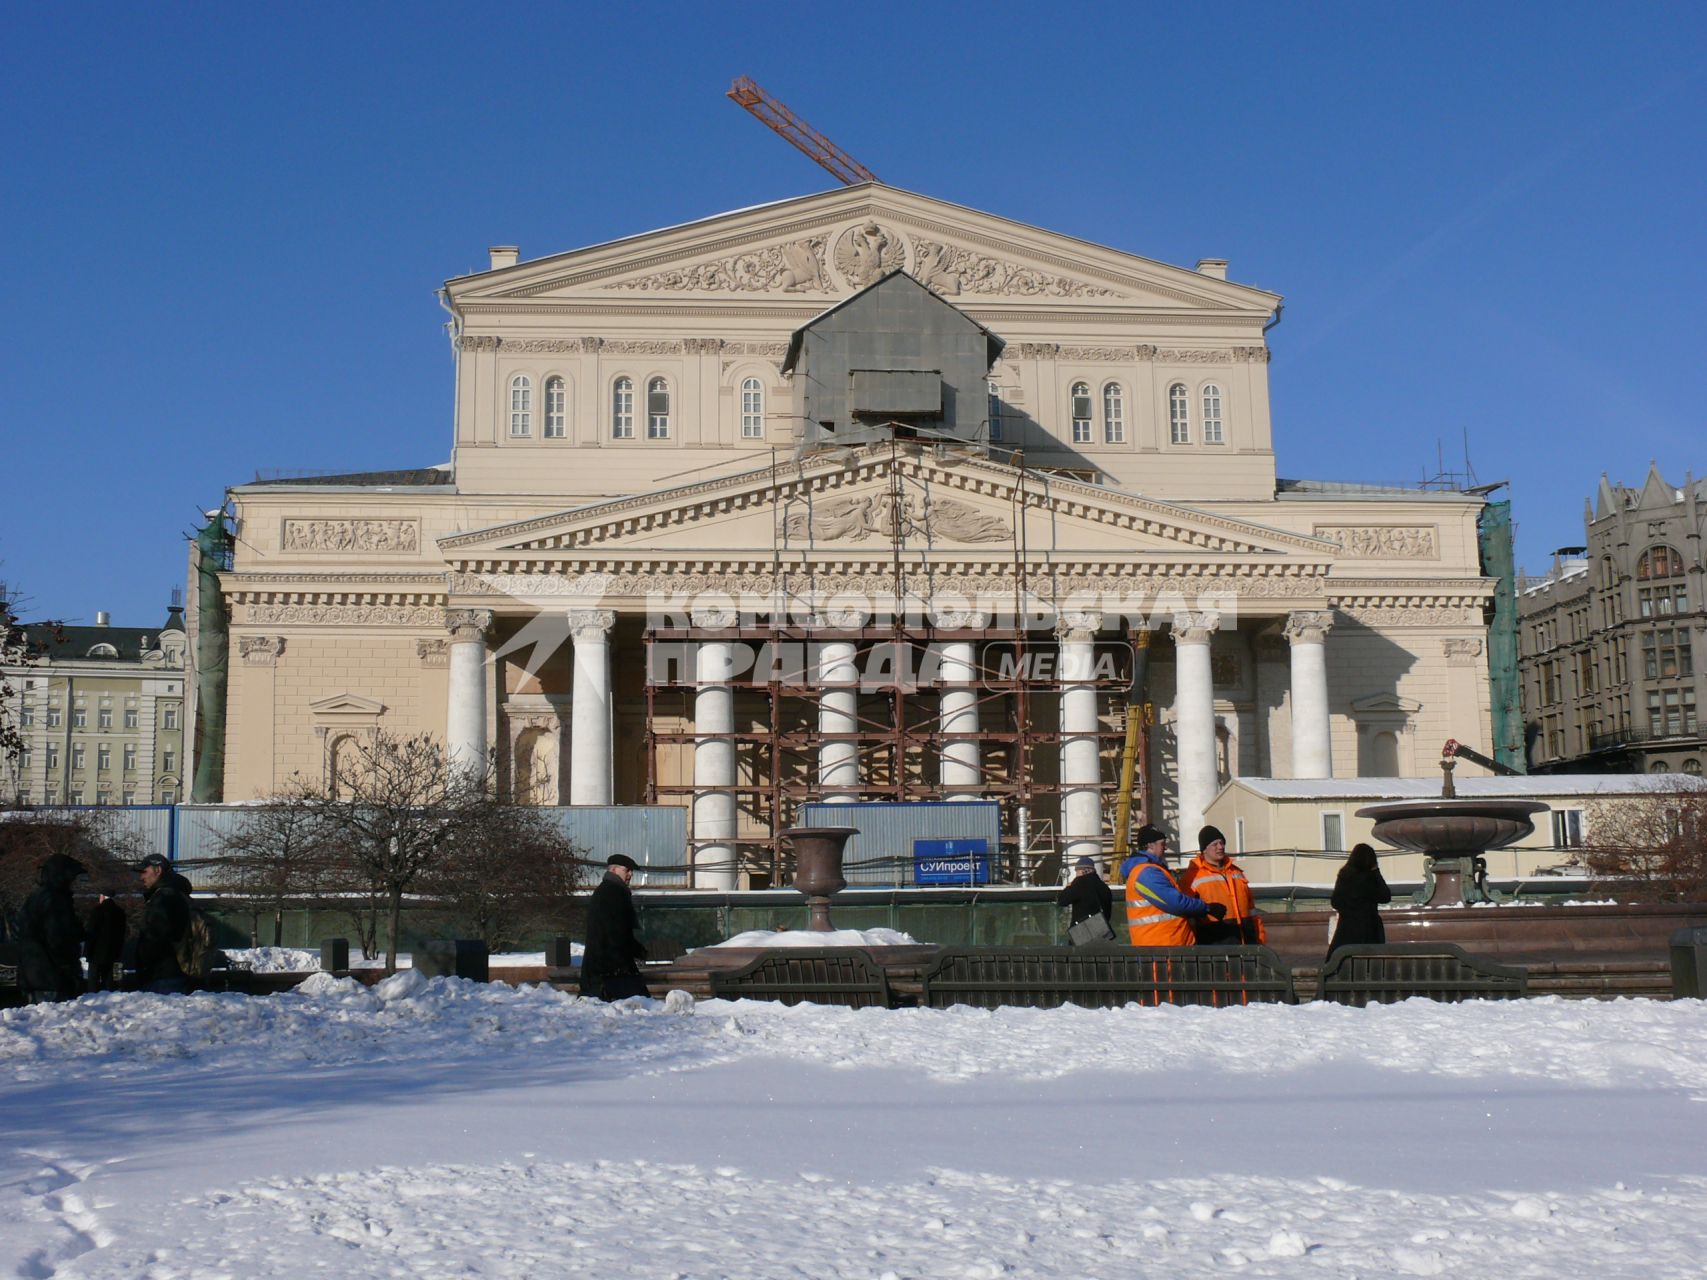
1078,624
714,619
949,618
468,624
1195,626
1308,626
845,618
590,624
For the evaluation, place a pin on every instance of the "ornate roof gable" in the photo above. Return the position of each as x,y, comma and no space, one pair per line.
856,503
824,247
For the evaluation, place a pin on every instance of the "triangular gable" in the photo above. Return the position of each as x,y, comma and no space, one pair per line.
828,245
843,501
1385,703
347,704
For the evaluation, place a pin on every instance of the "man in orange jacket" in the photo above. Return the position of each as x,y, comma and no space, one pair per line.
1158,913
1214,877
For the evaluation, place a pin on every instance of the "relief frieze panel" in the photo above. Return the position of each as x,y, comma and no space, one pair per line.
301,534
795,267
951,271
1383,542
341,614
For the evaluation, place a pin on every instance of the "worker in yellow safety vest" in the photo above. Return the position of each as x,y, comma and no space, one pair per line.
1158,912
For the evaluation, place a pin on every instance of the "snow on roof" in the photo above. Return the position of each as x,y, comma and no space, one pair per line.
1537,787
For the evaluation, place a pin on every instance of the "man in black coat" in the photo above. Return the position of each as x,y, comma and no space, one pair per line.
165,921
50,940
106,931
610,966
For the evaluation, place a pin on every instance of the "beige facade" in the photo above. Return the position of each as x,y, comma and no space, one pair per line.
624,476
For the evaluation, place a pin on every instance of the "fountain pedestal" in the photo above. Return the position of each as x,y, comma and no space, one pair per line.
818,869
1454,833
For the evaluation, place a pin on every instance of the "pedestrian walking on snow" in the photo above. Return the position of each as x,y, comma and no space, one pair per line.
165,922
610,966
50,939
1360,890
1092,903
106,933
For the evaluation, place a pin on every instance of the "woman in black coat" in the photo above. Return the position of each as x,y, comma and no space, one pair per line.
1359,893
50,938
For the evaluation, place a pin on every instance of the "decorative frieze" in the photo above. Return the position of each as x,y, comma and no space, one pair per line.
702,346
950,270
1039,350
1383,542
854,519
433,653
351,535
260,651
341,615
1380,616
1462,651
1104,355
795,267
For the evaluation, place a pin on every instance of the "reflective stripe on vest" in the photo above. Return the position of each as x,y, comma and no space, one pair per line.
1154,927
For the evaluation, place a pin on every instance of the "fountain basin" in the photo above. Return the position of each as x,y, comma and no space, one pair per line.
1454,833
818,868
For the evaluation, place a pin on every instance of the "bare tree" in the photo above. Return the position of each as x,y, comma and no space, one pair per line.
17,649
281,854
28,839
1650,848
513,872
400,809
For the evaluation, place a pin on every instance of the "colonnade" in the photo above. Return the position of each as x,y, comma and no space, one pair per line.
714,811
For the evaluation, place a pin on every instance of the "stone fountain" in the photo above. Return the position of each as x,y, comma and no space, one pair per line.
818,869
1454,833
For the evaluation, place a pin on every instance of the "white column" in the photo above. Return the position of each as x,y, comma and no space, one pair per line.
1312,742
714,814
590,766
959,765
1081,770
1194,719
838,712
465,709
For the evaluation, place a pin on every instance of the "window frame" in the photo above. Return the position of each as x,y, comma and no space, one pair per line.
1179,414
1216,421
521,406
1338,816
622,408
658,424
1113,412
750,396
1079,432
554,400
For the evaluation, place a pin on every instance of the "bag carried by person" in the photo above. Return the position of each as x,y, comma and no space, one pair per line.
195,949
1093,929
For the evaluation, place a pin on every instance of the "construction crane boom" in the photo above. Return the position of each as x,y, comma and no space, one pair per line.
847,170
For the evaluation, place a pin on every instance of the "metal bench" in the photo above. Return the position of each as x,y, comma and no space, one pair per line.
1364,975
831,975
1105,977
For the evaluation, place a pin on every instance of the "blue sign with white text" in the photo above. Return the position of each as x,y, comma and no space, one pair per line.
965,861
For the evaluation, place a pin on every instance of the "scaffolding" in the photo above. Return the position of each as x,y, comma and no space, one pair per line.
898,740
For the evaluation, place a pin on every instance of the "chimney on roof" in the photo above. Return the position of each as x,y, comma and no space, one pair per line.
1215,267
102,617
504,255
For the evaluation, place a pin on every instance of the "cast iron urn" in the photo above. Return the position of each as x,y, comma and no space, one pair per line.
818,868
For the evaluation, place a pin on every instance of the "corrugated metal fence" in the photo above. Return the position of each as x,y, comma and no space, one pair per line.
654,836
882,852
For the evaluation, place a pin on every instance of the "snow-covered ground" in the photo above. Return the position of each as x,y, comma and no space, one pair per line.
769,939
440,1128
299,960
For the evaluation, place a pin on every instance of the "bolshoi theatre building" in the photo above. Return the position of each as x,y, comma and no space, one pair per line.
863,497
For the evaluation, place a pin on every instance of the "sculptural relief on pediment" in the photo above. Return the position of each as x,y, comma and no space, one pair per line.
794,267
949,270
877,515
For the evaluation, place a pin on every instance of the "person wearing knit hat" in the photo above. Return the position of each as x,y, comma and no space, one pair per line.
1158,913
1213,876
1090,898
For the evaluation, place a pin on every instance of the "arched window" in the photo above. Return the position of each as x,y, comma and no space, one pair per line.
1081,394
1692,766
1212,430
752,410
1659,766
657,409
1659,562
994,391
556,409
1179,415
1113,414
521,405
622,409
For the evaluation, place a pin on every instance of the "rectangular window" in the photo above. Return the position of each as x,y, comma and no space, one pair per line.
103,796
79,718
130,797
131,718
24,760
1212,429
995,411
168,760
104,718
1567,828
169,716
52,756
77,797
51,796
1333,833
556,409
1238,835
752,410
168,796
78,758
658,410
53,718
1081,414
103,758
130,757
26,716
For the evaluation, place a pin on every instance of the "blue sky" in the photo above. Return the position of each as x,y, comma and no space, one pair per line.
224,224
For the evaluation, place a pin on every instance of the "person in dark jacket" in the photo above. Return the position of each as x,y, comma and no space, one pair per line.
50,939
106,933
1359,892
610,966
165,921
1088,894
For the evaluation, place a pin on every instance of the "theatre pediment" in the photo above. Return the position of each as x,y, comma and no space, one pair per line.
863,505
827,246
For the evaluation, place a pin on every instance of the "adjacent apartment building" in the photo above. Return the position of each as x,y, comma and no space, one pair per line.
1607,637
101,711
